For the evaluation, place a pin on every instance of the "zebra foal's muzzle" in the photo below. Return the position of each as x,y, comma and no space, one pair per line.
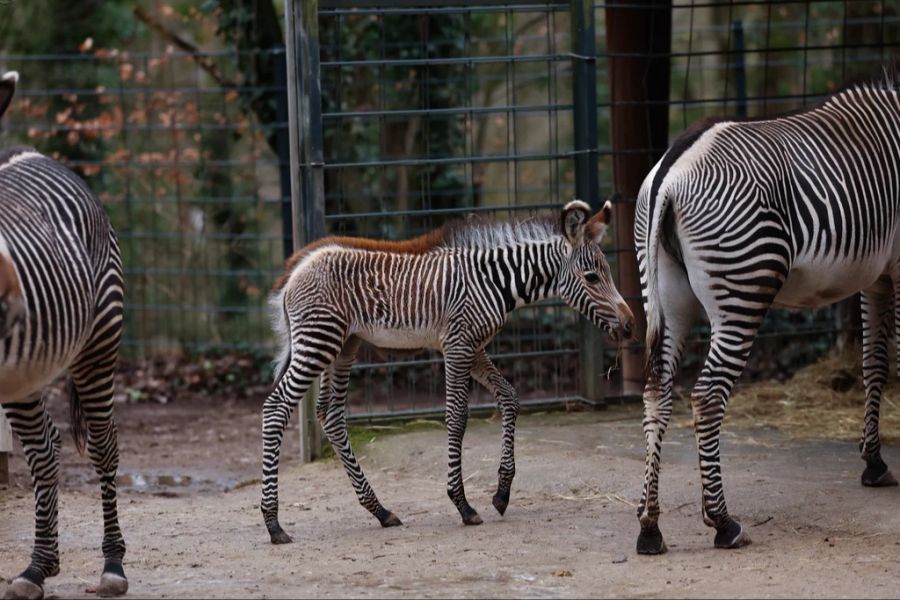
623,330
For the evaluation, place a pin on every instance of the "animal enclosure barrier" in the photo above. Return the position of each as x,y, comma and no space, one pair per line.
422,112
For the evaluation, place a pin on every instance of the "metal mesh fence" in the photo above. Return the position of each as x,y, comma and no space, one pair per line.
188,179
431,114
430,111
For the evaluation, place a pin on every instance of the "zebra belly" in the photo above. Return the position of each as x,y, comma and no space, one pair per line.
812,284
400,338
20,382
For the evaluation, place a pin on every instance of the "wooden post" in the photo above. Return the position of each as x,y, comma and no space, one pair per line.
307,164
6,448
639,39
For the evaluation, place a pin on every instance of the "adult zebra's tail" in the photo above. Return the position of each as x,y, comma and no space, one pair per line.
657,205
77,420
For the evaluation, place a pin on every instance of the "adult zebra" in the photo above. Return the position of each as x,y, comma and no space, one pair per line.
450,290
800,211
60,309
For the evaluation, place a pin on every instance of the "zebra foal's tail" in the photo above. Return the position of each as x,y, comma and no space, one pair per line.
281,326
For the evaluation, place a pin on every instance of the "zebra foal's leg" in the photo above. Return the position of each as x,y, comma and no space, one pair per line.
41,444
486,373
877,313
307,361
458,366
332,415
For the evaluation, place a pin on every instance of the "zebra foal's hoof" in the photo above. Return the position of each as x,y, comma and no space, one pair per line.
278,536
650,541
869,479
469,516
731,534
388,519
501,501
22,589
112,585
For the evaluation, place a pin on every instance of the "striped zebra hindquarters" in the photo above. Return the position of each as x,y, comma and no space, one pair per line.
798,211
49,218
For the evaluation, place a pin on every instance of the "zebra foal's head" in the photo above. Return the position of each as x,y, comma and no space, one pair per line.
585,281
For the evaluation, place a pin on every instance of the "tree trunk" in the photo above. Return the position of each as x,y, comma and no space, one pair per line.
639,35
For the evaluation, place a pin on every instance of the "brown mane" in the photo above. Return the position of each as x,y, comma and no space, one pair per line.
418,245
471,232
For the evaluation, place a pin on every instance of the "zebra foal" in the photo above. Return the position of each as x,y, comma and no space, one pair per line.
60,309
800,211
450,290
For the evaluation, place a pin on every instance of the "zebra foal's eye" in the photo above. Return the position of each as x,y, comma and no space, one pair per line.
591,278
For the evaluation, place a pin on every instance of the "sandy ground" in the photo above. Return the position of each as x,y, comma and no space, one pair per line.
569,532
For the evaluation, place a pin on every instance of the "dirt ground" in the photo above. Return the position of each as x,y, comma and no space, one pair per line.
189,512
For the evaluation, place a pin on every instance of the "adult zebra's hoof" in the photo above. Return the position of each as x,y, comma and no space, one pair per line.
389,519
112,585
650,541
731,534
22,589
112,581
501,501
278,535
878,476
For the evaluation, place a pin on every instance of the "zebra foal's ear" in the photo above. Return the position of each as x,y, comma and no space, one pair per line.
596,226
7,89
574,215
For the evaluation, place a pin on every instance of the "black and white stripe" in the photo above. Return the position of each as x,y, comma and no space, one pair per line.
452,295
798,211
65,261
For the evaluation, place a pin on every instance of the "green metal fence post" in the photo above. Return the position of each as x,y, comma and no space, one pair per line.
307,164
587,177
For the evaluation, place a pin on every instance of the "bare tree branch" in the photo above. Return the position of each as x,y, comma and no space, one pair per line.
204,62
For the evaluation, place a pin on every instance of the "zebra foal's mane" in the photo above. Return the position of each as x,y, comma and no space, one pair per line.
472,232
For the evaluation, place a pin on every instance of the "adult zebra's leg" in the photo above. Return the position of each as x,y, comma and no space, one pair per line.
729,349
458,366
332,414
877,314
486,373
41,443
93,390
93,381
307,362
680,311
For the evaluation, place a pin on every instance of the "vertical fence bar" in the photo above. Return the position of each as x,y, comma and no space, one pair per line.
307,164
740,68
639,39
587,175
283,144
